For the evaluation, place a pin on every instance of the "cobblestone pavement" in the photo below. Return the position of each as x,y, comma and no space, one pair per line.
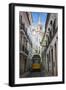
36,74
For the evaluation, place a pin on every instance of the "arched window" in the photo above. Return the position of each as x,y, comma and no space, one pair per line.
50,34
54,24
48,29
51,22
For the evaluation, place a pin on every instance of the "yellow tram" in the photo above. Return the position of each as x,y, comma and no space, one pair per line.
36,63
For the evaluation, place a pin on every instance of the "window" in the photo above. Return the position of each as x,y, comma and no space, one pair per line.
52,61
49,56
55,51
51,22
48,40
22,26
48,29
54,26
20,41
46,43
20,19
48,62
50,35
56,56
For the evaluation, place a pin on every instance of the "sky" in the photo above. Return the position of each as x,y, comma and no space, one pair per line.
36,15
35,19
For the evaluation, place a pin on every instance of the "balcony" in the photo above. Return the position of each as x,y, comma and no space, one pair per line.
24,49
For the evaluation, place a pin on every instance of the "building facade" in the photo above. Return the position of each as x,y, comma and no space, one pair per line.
24,40
50,45
37,37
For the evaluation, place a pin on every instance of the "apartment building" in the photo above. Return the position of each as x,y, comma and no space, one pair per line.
50,45
24,40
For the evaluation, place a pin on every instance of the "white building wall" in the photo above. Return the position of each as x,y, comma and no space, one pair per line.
49,49
49,64
24,18
25,61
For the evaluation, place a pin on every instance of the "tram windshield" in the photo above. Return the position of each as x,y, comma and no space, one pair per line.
36,59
